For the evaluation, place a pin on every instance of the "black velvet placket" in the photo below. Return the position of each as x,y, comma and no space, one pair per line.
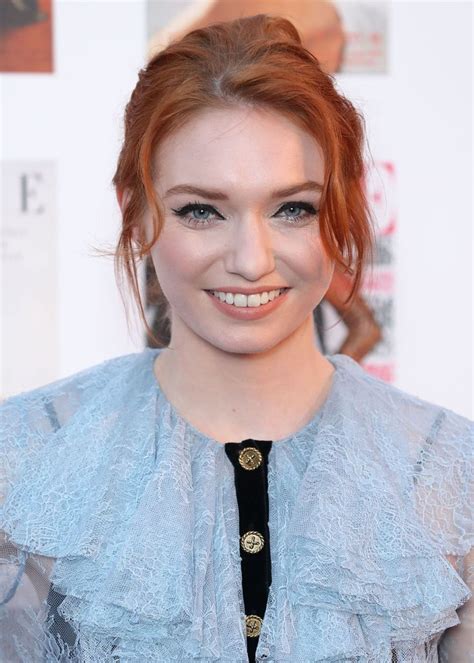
250,461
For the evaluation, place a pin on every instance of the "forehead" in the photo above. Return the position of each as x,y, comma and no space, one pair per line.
238,148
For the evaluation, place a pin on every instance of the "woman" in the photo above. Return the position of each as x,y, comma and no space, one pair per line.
236,495
363,330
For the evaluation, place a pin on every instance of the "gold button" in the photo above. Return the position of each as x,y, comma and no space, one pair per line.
252,542
254,625
250,458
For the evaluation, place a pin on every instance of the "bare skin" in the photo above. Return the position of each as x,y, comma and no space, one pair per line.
321,29
363,330
238,379
250,398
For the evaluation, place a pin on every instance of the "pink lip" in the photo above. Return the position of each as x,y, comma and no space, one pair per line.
248,291
248,313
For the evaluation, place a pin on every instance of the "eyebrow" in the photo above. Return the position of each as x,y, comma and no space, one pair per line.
219,195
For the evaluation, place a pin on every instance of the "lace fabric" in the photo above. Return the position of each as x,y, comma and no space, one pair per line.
121,536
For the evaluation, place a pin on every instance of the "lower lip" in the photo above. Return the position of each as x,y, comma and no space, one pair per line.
248,312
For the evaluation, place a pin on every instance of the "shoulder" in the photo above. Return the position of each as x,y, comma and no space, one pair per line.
63,442
375,398
76,411
425,447
48,406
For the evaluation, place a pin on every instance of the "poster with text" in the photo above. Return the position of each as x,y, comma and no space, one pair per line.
28,286
379,286
365,37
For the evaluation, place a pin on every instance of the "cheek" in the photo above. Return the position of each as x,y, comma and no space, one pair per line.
324,269
178,259
312,263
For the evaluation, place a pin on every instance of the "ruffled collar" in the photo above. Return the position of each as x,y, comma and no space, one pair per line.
139,509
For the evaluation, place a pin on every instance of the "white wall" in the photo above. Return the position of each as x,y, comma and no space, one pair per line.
418,115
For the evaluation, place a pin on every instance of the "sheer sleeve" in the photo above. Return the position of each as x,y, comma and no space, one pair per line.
27,602
32,491
457,643
27,625
443,482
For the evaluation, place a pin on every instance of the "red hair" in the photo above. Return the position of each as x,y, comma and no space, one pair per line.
257,61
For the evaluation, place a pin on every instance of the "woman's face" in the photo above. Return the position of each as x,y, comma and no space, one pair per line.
241,191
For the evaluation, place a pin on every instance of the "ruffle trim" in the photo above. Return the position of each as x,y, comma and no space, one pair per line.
142,518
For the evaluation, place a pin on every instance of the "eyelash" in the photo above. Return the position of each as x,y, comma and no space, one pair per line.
183,212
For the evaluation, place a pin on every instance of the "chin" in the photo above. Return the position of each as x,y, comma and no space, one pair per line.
256,342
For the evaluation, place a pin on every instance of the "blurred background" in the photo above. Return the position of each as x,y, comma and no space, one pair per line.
68,68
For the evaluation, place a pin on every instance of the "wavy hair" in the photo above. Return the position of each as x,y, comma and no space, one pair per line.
256,61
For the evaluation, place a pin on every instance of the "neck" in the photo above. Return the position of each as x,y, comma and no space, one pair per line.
230,396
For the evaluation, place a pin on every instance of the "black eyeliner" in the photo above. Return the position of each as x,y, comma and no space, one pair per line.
308,207
190,207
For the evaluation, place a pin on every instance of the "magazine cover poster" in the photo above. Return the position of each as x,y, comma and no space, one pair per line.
29,313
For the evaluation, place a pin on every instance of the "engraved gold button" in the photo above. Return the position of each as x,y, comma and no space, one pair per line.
253,624
252,542
250,458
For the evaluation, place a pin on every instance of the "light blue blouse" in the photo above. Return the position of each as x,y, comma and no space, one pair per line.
123,507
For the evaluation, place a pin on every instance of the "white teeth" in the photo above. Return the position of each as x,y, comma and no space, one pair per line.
247,301
254,300
239,300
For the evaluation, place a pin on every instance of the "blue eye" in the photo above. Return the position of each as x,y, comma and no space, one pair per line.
297,210
197,214
200,213
293,210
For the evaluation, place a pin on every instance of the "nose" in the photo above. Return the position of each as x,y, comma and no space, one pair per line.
251,252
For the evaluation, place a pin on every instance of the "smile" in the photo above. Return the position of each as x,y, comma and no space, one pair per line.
248,307
248,301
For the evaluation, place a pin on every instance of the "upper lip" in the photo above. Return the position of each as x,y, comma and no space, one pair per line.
250,291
